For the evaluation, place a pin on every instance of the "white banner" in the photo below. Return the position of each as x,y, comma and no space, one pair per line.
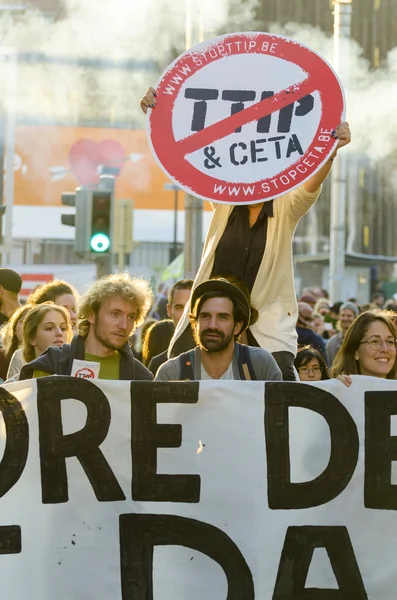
185,491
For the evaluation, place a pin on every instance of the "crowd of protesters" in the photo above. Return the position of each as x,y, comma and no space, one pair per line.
58,332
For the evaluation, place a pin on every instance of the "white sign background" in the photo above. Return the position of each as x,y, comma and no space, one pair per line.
71,550
256,72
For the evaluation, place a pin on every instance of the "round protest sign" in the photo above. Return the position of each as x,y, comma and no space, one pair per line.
245,117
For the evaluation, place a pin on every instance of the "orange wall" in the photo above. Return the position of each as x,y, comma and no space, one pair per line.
71,154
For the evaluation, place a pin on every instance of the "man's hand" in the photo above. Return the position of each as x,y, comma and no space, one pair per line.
148,100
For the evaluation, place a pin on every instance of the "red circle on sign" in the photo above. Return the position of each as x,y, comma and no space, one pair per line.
85,373
171,153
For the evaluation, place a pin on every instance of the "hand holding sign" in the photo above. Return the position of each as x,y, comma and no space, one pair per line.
148,100
343,135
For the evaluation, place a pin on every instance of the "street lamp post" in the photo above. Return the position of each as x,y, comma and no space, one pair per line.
173,187
193,206
342,30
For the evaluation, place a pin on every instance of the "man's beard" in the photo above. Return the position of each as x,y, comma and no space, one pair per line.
107,343
215,345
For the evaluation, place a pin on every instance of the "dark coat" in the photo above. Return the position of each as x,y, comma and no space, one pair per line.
59,361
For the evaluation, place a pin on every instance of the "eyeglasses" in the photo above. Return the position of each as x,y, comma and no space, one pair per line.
305,370
376,343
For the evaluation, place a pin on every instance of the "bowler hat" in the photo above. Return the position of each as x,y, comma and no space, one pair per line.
227,289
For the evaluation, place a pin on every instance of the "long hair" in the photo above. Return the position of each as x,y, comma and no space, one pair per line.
345,362
305,355
9,331
32,322
121,284
49,292
157,339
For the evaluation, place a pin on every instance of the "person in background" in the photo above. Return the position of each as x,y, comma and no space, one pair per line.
219,313
318,325
333,315
354,300
46,325
178,297
311,365
368,348
108,312
309,299
157,339
12,334
10,286
59,292
378,299
304,328
137,339
322,306
254,243
348,312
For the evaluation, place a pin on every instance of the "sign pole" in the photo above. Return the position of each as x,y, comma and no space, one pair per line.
342,27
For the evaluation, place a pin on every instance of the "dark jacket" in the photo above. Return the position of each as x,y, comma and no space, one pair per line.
307,337
157,361
59,361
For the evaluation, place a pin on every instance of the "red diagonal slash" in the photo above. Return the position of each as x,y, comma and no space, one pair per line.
221,129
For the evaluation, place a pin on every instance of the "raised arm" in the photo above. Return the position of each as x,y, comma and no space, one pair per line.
342,134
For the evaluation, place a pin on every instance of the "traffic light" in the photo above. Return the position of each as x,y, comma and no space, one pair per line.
101,221
78,220
122,241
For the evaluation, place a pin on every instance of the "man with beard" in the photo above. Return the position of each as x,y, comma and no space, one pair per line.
219,313
109,312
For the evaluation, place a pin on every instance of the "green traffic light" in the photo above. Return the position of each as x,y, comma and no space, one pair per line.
100,242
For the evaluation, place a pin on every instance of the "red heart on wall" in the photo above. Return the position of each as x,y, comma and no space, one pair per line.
86,158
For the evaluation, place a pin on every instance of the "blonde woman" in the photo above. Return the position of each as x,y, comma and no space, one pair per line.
11,335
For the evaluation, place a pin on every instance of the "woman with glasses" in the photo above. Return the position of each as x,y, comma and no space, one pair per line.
368,348
310,365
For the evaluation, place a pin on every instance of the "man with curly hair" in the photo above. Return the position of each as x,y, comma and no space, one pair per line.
109,312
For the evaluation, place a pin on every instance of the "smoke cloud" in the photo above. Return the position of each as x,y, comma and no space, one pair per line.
370,94
146,35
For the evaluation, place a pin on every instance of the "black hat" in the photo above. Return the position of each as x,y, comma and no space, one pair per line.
229,290
10,280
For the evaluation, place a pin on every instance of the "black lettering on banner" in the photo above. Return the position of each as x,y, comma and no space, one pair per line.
297,554
305,105
147,436
84,444
17,441
238,97
200,107
282,494
380,451
139,534
10,539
